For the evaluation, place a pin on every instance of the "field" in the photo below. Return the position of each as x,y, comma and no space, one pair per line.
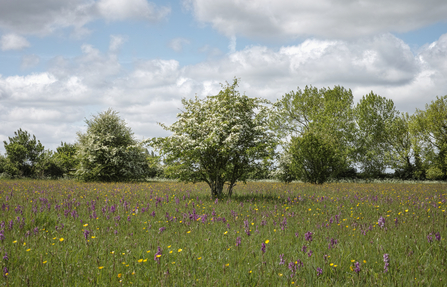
67,233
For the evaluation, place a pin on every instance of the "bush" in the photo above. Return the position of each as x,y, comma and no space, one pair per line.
108,151
315,158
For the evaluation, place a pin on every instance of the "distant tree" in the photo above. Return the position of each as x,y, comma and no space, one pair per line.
23,153
319,114
66,155
375,116
108,151
218,140
315,158
430,125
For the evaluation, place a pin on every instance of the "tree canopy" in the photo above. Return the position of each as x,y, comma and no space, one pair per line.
218,139
108,151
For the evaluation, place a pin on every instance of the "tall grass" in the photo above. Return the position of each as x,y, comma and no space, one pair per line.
66,233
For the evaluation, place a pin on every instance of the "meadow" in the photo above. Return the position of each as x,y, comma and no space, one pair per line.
68,233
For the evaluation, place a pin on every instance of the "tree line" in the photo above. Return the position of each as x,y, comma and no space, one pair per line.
313,135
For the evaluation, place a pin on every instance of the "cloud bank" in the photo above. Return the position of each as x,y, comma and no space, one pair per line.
54,103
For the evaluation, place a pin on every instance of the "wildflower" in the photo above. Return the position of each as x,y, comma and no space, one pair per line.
438,236
386,259
61,239
357,267
161,229
381,222
319,271
199,258
180,250
281,259
429,238
100,267
158,255
44,262
309,254
6,258
308,236
304,248
238,241
5,271
140,260
86,233
267,241
263,247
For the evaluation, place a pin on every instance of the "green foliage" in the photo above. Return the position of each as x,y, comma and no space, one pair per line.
66,155
108,150
218,140
430,125
375,116
315,158
155,169
326,112
23,153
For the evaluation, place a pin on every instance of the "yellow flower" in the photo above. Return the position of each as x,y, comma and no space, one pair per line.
28,250
169,246
93,236
113,252
406,210
144,260
332,264
199,258
140,260
148,251
310,209
180,250
61,239
44,262
24,243
170,252
225,232
159,255
119,275
15,241
189,231
100,267
364,261
228,264
85,225
352,260
335,265
249,271
267,241
173,262
280,274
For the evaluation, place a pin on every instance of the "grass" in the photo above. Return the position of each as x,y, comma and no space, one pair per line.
69,233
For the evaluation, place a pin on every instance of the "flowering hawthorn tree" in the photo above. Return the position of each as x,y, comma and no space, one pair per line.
218,140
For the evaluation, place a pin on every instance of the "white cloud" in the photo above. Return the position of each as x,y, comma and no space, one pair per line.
54,103
13,42
322,18
177,44
118,10
47,16
116,42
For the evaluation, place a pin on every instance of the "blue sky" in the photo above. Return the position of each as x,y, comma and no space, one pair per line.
62,61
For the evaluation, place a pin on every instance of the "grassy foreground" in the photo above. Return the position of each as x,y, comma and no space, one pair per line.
66,233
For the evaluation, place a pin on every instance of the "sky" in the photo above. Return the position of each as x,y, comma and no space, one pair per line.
62,62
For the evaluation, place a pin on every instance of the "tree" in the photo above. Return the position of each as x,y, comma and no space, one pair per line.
431,126
326,113
375,116
218,140
66,155
23,152
108,150
315,158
